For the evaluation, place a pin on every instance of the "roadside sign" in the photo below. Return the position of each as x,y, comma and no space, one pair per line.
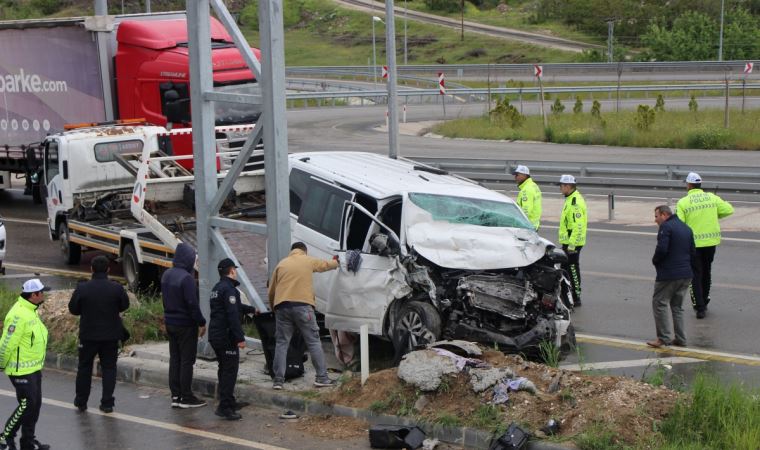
538,71
385,71
748,67
441,84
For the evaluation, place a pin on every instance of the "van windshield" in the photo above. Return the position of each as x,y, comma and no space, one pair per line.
471,211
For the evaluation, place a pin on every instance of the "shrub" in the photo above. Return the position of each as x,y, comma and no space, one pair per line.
578,107
443,5
660,105
507,113
710,138
558,107
693,105
644,117
596,109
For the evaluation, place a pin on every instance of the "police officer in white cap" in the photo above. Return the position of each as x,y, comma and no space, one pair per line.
701,211
572,231
529,198
22,355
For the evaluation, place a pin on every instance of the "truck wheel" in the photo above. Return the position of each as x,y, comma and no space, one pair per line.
419,324
72,253
140,277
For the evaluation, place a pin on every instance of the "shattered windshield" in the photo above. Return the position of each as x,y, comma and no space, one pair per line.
471,211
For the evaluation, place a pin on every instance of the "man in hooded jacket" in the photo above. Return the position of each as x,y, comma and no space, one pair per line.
184,325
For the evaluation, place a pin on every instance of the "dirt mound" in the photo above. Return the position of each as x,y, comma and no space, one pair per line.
624,406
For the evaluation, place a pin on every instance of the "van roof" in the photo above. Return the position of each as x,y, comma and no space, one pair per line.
383,177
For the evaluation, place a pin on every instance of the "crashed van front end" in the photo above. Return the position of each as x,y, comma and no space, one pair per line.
491,277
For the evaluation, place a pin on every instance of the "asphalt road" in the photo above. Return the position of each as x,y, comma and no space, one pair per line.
143,419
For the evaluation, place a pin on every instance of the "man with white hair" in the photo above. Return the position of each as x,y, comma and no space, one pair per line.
572,231
701,211
529,198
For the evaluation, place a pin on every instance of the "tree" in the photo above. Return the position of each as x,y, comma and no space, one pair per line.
596,109
578,107
644,117
691,38
693,105
558,107
659,106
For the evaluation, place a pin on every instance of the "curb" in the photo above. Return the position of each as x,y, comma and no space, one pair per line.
129,372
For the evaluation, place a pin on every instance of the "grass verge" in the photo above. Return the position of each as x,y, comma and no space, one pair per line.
670,129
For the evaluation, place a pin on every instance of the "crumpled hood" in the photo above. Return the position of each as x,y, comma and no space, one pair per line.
471,247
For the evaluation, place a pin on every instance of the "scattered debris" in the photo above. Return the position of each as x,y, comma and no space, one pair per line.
421,403
396,436
430,444
424,369
515,438
461,348
288,415
482,379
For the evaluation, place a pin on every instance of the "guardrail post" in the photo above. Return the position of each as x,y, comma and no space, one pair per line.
611,206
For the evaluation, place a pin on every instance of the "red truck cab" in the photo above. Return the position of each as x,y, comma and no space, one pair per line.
152,68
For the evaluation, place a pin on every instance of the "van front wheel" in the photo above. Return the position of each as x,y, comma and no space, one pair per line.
419,324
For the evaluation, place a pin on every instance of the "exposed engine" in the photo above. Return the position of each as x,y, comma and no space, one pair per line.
514,308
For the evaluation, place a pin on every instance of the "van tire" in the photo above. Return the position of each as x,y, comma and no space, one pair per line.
72,253
140,277
419,324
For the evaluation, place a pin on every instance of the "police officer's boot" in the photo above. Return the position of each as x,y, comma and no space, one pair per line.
34,444
8,444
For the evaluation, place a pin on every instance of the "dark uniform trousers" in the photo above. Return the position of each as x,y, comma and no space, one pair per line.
228,356
107,352
573,268
700,284
29,396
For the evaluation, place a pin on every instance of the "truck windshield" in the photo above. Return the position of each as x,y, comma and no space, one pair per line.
236,113
471,211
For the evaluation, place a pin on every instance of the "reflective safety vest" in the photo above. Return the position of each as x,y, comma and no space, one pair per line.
24,340
529,200
573,222
701,210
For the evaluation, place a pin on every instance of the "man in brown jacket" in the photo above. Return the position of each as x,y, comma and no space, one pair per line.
291,297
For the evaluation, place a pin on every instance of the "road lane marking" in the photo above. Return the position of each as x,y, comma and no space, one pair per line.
651,234
59,272
631,363
18,275
159,424
624,276
687,352
25,221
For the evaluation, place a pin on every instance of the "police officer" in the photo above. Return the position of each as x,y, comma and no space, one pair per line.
701,211
572,231
226,336
22,355
529,198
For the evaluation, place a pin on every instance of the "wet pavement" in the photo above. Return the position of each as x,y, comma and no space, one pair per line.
143,419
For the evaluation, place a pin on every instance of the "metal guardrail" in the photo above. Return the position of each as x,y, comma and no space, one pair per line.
497,173
549,68
479,93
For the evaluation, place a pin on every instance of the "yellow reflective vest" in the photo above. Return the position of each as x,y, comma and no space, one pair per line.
701,210
24,340
529,200
573,222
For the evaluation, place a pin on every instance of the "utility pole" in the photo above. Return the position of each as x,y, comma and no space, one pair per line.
406,61
610,29
390,52
462,16
720,41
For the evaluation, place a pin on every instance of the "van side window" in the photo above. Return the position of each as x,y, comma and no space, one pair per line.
104,152
322,209
299,181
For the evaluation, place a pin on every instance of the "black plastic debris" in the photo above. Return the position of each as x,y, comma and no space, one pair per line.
551,427
515,438
395,436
